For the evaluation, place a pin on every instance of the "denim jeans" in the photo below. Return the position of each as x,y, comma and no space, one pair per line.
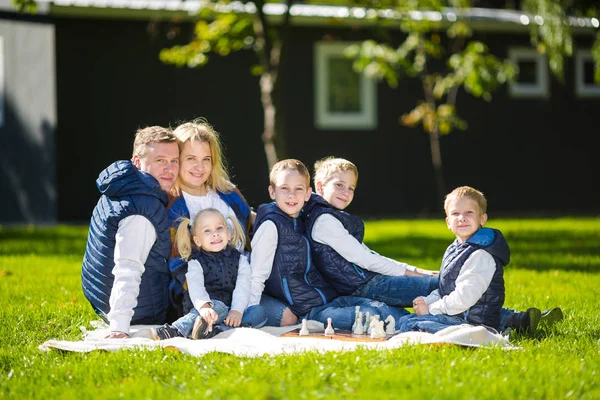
254,316
428,323
397,291
343,310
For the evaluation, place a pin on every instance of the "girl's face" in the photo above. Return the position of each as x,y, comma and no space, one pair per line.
195,166
211,232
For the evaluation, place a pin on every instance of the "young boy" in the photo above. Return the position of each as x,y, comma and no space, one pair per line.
281,260
471,283
352,268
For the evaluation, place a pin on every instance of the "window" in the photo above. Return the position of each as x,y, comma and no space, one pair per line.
584,75
532,78
344,99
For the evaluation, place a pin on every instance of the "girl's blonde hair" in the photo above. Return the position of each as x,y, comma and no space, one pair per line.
183,237
201,130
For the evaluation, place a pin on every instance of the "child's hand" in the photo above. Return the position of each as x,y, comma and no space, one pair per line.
234,318
418,300
209,315
421,309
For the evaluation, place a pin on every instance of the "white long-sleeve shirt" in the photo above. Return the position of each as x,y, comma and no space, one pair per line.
473,280
330,231
264,245
199,295
134,238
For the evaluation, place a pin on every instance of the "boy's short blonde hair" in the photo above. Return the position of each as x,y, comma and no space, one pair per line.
292,165
201,130
326,167
469,192
148,135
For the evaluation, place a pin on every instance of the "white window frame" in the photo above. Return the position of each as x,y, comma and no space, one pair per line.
366,118
541,87
583,89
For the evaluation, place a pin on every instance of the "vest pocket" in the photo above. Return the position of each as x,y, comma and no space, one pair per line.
286,291
359,271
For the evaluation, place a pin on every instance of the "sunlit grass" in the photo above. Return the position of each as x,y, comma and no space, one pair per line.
554,263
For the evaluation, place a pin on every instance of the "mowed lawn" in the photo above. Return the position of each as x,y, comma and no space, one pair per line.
554,263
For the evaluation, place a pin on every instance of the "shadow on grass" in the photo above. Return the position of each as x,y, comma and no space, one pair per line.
534,250
48,241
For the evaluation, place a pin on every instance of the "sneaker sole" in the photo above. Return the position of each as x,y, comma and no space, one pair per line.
551,317
535,316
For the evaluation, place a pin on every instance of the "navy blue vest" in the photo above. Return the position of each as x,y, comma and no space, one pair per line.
127,191
293,280
220,275
487,309
344,276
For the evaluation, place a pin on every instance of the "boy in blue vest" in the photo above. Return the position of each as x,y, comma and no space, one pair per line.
352,268
281,260
471,282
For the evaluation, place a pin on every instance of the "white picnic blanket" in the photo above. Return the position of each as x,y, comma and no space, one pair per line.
267,341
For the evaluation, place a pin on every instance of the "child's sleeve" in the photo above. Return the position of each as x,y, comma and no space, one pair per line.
330,231
264,245
195,283
472,281
241,293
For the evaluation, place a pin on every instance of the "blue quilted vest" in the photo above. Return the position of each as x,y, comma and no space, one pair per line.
128,191
179,209
344,276
220,275
487,310
293,280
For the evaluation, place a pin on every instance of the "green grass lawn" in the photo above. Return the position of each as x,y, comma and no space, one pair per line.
554,263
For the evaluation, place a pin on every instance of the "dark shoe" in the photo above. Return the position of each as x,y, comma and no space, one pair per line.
164,332
551,317
526,322
204,330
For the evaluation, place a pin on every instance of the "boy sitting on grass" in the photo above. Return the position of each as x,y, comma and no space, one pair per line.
471,281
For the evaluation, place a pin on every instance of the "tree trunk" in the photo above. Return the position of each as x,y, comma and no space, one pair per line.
436,159
270,112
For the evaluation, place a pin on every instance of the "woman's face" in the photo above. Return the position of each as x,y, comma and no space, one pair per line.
195,166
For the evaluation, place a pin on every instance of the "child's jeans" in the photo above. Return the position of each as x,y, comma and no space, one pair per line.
399,291
341,311
254,316
428,323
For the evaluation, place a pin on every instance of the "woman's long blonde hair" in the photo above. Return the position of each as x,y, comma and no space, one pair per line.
183,237
201,130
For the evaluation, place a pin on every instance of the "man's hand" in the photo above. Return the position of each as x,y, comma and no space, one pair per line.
234,318
117,335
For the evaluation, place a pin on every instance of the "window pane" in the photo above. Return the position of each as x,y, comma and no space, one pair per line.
527,72
588,73
344,86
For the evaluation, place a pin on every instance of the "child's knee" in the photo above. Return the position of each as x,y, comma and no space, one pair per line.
288,318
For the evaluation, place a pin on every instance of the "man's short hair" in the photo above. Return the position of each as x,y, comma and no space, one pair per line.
148,135
292,165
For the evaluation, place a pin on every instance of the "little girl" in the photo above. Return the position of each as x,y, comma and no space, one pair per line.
217,280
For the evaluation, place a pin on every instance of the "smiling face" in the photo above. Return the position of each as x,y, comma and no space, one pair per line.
211,232
339,189
290,190
161,160
195,167
464,217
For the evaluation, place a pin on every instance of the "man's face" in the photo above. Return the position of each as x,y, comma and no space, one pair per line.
162,162
290,192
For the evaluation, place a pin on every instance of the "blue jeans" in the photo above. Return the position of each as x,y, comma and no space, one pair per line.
428,323
254,316
343,310
274,309
397,291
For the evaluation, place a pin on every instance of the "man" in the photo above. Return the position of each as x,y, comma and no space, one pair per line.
125,275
